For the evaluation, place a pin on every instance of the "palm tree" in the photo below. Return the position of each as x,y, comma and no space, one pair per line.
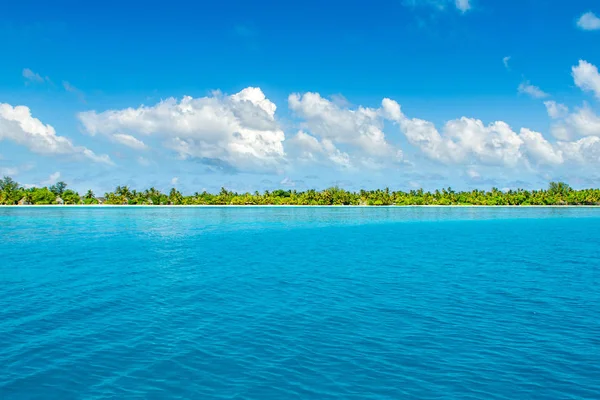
559,189
10,191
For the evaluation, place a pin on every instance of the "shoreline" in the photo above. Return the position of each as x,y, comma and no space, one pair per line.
288,206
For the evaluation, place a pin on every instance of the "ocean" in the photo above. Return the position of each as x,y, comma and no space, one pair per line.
299,303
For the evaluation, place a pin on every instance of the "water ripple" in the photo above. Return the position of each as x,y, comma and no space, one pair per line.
300,303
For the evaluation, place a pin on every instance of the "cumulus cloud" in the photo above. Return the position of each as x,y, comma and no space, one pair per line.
505,61
332,125
469,140
537,148
425,137
585,122
237,131
531,90
582,122
588,22
494,144
556,110
585,150
18,126
307,148
174,181
586,77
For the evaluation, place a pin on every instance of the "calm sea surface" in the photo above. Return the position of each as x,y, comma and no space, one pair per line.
300,303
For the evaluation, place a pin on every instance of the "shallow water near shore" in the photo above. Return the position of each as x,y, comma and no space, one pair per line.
300,303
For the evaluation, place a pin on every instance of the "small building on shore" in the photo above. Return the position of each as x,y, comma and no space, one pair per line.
24,202
59,201
101,200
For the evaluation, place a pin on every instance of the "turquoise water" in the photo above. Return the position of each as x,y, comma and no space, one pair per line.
300,303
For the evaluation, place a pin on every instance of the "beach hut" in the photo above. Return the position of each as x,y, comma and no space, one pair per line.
59,201
101,200
24,202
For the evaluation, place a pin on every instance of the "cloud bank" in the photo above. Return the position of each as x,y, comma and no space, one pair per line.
243,132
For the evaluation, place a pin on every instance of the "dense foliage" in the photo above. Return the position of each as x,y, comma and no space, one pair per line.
558,193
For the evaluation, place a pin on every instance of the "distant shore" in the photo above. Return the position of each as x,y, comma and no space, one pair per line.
287,206
558,194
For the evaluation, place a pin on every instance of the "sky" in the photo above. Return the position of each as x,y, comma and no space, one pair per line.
259,95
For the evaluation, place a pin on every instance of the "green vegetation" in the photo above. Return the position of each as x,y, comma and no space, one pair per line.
558,193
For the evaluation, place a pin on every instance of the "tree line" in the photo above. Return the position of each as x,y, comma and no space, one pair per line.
557,193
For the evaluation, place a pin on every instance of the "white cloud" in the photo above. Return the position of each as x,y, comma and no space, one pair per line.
241,132
585,150
468,140
531,90
307,148
589,22
52,179
582,122
560,132
463,5
32,76
391,110
18,126
586,77
505,61
556,110
537,148
237,131
257,98
129,141
585,122
174,181
424,135
494,144
332,125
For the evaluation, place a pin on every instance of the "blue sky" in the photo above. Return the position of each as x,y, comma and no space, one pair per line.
478,93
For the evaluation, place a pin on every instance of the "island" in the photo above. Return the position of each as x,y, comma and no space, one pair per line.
557,194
